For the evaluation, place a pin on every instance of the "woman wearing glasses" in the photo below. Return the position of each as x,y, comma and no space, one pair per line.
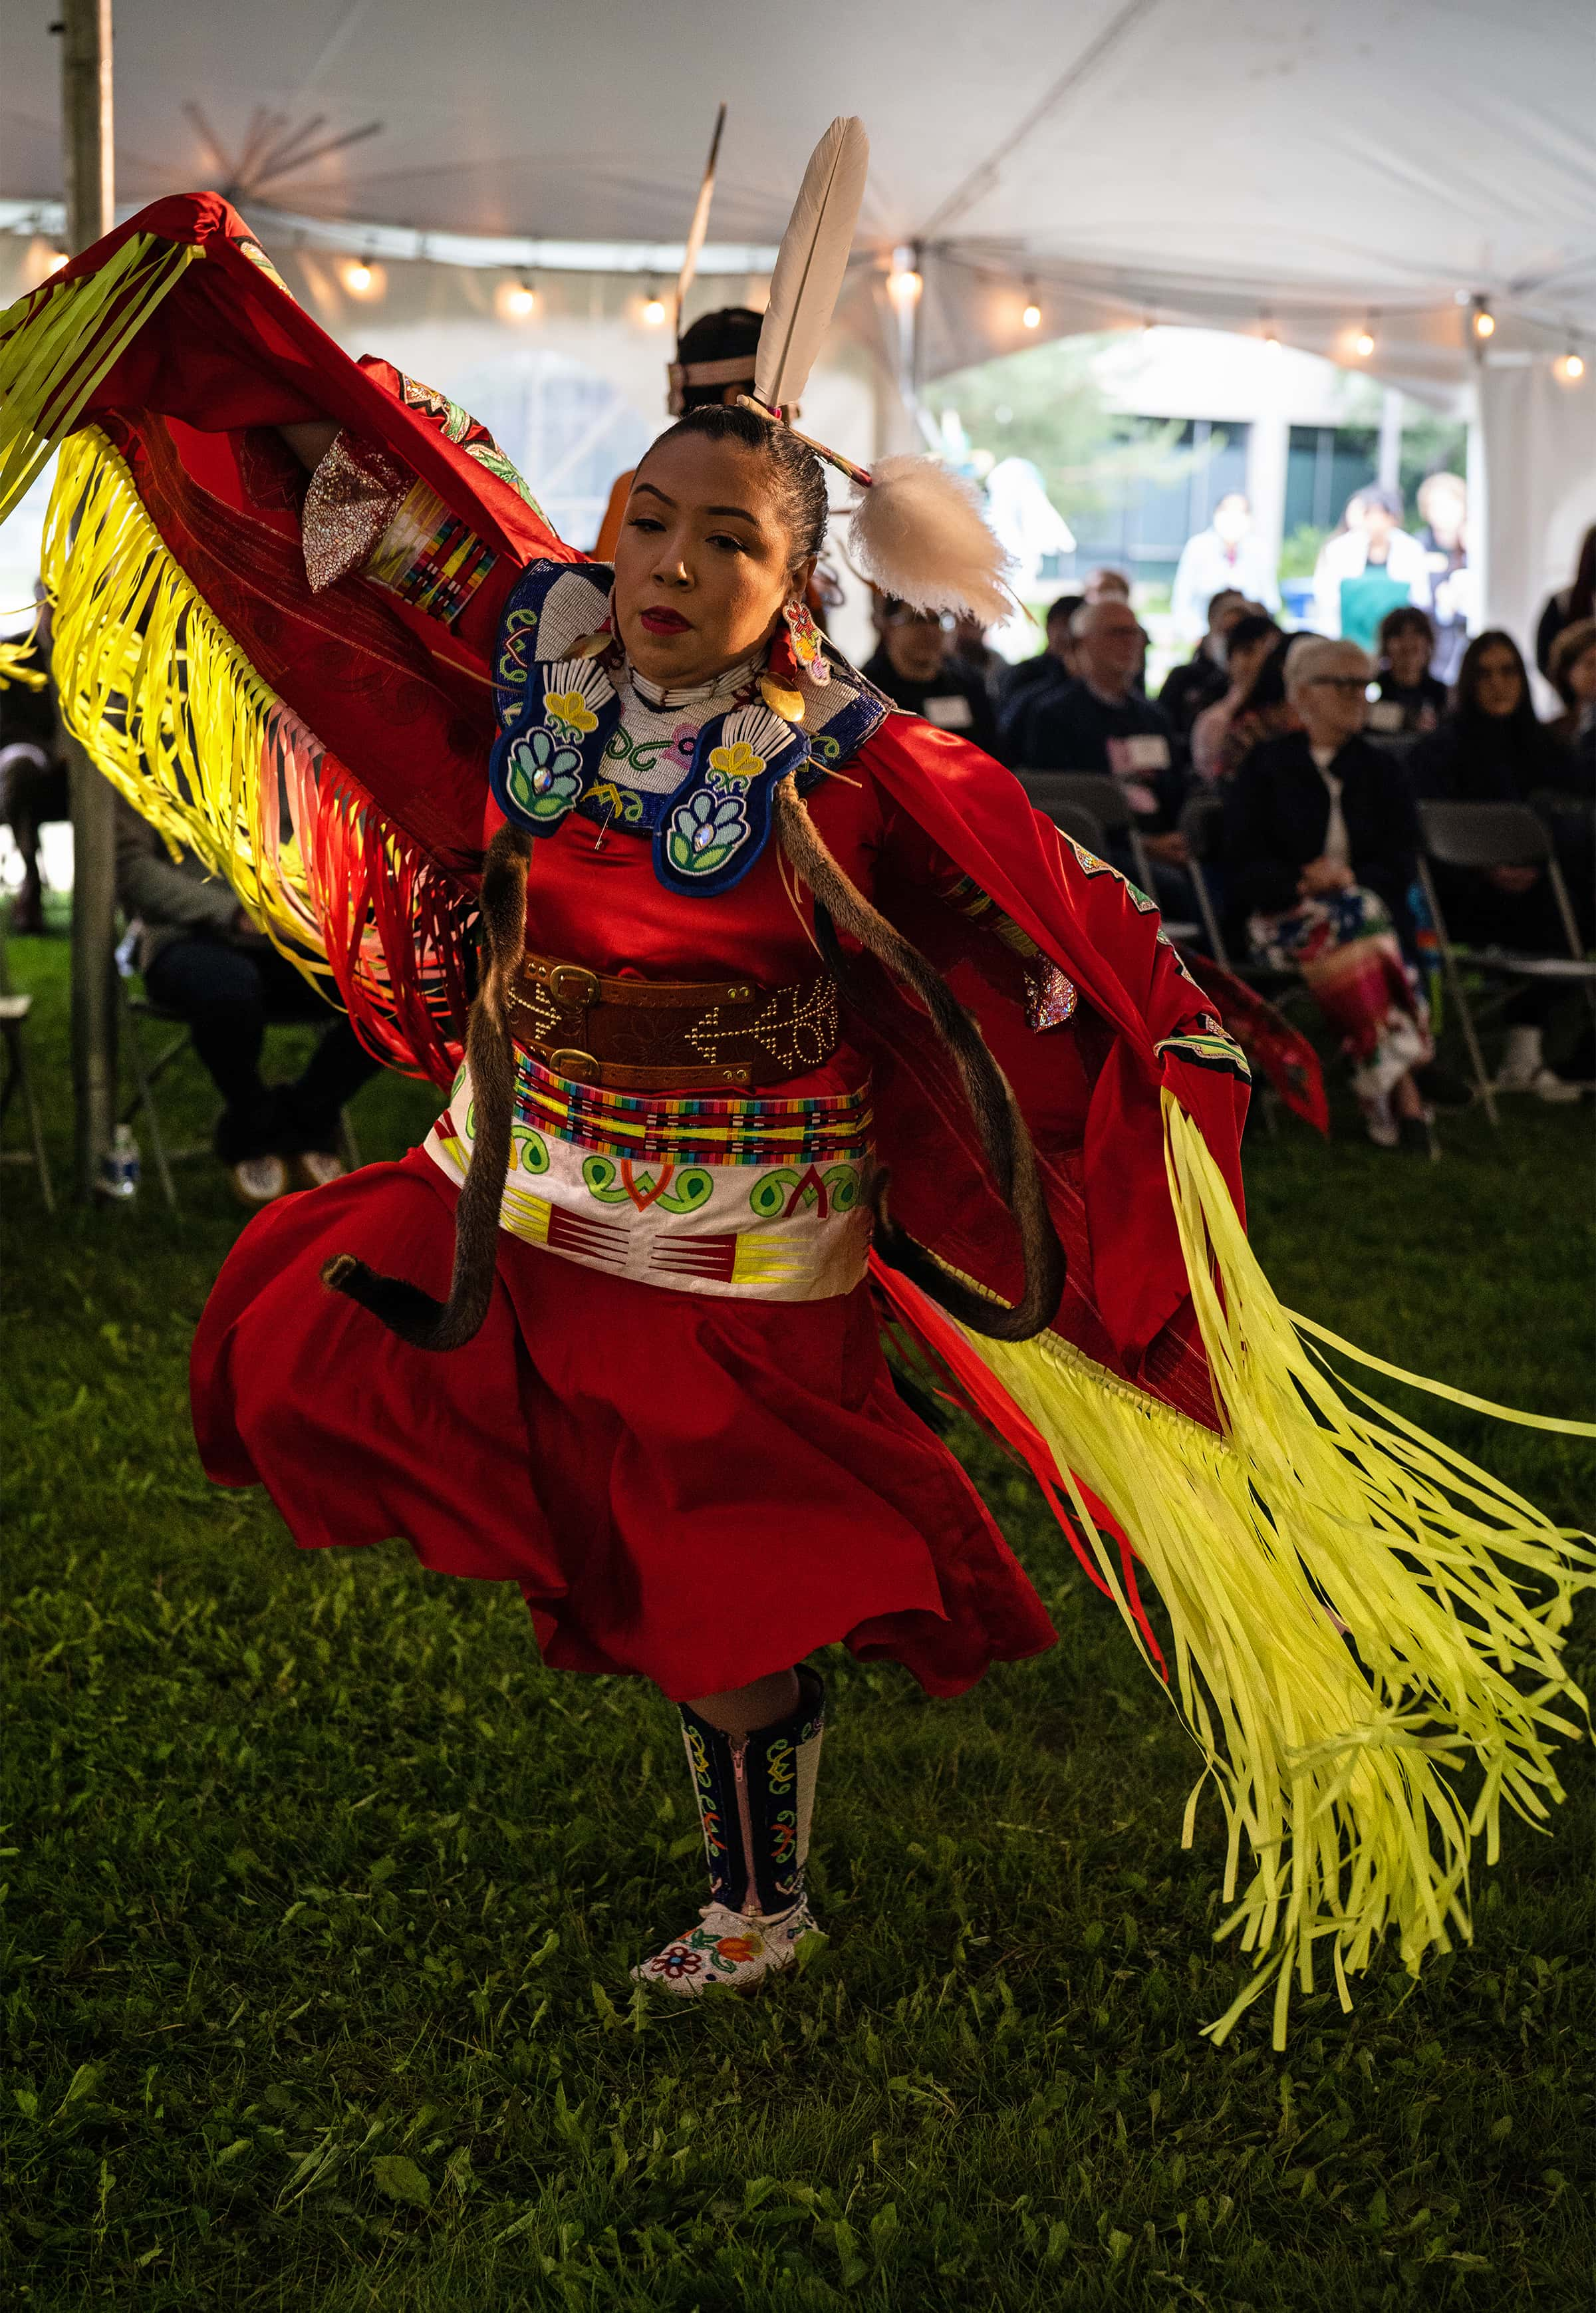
1320,845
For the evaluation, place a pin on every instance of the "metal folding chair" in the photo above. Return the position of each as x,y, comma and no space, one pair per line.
1104,798
1483,835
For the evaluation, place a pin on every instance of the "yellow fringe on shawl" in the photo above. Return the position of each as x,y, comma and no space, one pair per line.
1349,1632
170,709
164,702
57,344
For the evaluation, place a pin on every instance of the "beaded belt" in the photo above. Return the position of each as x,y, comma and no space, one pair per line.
670,1035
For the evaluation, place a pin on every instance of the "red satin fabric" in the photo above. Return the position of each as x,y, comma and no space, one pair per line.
697,1491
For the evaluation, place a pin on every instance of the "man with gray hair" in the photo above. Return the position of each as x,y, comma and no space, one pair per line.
1320,844
1101,722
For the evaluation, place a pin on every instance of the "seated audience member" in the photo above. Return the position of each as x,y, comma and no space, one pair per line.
1407,697
971,653
1056,663
1492,748
34,784
1319,847
1104,581
913,668
1369,567
1265,712
1570,604
1102,722
1572,665
1251,641
1202,678
1229,555
201,959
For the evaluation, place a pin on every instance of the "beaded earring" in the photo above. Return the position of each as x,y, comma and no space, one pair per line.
806,639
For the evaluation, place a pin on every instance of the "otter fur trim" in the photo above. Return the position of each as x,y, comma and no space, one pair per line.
490,1051
1005,1138
917,532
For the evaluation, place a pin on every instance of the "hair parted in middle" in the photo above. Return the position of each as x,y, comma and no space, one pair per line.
799,478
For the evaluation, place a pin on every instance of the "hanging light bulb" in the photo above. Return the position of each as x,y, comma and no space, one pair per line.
517,301
903,283
1031,316
653,310
1362,344
1485,321
361,278
1569,367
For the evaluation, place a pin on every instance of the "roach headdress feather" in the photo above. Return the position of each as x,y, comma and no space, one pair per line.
917,530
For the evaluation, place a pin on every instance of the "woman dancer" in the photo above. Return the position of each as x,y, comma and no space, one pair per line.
786,1001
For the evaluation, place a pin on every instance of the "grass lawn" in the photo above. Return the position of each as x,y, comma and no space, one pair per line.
322,1893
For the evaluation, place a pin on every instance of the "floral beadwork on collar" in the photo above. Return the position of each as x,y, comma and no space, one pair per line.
578,733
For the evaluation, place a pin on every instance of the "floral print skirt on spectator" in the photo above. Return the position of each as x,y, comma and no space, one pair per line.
1345,949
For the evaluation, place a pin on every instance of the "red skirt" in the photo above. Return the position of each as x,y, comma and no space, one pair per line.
697,1491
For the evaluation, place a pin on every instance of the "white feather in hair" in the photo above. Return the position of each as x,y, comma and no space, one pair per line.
810,264
919,533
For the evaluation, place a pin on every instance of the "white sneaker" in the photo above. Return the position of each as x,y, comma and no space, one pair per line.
1546,1084
730,1947
258,1180
1378,1122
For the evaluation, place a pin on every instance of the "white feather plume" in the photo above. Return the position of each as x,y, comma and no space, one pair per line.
700,224
810,263
919,533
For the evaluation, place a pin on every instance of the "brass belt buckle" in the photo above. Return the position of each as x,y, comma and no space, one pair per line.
577,1066
574,986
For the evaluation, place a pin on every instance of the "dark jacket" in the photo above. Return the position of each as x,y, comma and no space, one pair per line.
1277,814
1071,729
169,898
1189,688
1427,693
957,700
1485,759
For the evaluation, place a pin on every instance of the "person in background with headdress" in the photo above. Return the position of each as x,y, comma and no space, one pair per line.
714,366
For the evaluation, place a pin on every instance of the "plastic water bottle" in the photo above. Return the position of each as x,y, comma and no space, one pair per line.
120,1167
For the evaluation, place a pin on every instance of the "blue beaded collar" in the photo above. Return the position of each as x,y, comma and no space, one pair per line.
558,715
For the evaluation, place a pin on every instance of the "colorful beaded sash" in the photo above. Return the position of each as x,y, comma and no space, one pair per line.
706,1131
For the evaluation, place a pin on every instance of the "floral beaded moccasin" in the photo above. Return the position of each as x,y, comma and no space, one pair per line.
727,1947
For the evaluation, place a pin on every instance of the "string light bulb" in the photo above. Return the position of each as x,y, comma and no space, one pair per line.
517,301
1362,344
1569,367
904,286
361,278
653,310
1484,323
1031,316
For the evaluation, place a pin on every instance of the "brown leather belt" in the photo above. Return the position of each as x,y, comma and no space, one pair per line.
670,1035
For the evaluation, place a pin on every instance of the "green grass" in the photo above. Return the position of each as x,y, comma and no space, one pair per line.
322,1893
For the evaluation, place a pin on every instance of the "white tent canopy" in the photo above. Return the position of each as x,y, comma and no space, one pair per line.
1290,169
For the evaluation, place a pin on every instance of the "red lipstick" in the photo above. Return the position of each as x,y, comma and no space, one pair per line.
660,621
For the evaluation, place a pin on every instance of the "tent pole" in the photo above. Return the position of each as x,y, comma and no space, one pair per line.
88,154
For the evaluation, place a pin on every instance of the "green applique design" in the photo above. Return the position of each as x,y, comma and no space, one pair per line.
602,1179
687,1191
641,755
529,1151
542,778
489,455
705,830
782,1193
1214,1051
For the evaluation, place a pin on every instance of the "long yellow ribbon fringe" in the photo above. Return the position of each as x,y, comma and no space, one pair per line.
59,343
1343,1592
166,704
